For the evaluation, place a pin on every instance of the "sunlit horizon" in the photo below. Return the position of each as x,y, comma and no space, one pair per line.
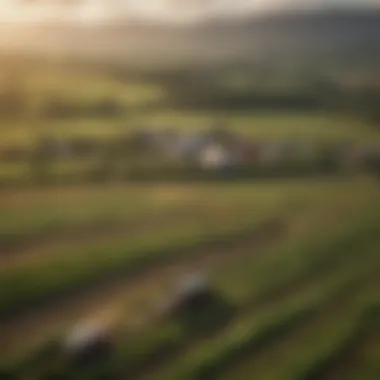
93,11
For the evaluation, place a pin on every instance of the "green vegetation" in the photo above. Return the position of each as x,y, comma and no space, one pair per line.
292,259
22,287
271,296
251,336
339,279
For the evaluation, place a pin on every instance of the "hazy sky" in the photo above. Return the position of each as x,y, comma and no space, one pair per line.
100,10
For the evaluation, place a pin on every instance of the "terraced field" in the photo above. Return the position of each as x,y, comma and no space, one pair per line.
295,263
316,128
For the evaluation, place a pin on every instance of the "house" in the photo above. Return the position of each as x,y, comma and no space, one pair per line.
216,157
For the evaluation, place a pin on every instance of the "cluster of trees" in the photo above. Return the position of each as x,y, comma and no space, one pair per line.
106,107
205,87
16,103
139,156
365,103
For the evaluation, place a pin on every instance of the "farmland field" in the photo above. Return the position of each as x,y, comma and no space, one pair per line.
315,126
111,252
319,129
290,251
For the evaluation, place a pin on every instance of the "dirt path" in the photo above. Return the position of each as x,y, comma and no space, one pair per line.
37,249
112,299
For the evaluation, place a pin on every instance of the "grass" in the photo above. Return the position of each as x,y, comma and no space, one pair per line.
283,349
68,269
249,335
300,354
201,213
219,209
320,365
23,286
212,358
310,126
362,345
295,308
342,272
31,212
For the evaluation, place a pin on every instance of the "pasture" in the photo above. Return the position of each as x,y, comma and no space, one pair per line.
294,261
282,125
110,253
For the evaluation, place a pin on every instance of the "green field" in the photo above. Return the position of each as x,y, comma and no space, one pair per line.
320,129
37,85
295,262
288,125
70,253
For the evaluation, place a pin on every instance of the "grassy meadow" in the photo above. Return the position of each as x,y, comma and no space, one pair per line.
295,261
113,252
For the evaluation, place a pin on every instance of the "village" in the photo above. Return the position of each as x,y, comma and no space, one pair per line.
216,149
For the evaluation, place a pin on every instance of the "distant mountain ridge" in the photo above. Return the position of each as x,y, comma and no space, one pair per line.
350,32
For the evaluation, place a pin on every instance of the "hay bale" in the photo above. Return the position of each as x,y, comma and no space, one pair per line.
87,341
193,293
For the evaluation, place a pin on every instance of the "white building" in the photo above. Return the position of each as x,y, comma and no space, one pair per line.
215,156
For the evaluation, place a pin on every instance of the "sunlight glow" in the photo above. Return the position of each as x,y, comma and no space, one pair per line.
103,10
